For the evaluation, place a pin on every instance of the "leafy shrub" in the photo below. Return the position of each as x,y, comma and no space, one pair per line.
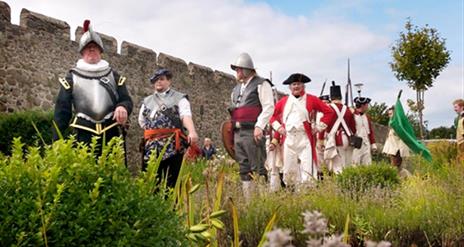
64,196
362,178
19,124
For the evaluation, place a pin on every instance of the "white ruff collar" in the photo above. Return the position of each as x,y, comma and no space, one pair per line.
100,66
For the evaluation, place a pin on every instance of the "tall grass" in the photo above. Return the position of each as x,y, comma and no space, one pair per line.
425,209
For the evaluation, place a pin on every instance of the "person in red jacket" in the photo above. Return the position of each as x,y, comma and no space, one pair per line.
337,149
291,119
364,130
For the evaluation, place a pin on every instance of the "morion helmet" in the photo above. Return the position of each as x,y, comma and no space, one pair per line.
89,36
243,61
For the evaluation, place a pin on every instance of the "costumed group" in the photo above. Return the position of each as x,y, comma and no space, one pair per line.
304,132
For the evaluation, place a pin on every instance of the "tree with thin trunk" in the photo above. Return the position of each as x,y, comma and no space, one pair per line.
419,56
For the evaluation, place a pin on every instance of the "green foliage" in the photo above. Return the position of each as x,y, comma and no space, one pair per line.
19,124
413,116
61,195
362,178
423,209
378,113
419,56
443,132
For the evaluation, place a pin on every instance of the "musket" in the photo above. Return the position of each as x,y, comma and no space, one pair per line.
323,87
349,88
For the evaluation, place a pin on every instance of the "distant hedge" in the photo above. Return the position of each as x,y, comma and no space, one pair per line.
19,124
358,179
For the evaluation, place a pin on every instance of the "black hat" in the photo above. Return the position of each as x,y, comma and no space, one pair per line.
296,77
324,97
361,101
335,91
160,72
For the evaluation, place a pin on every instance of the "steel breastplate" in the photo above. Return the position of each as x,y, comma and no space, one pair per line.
92,101
155,103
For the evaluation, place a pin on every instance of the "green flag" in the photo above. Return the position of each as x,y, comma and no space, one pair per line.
400,124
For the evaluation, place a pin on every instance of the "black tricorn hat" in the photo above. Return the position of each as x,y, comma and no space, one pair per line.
361,101
296,77
335,91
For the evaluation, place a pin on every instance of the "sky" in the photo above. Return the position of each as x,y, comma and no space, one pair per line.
283,37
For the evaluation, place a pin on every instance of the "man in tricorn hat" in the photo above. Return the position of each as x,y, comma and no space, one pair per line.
337,148
364,130
291,119
97,93
251,109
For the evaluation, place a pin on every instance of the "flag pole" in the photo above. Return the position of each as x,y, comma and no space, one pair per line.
399,93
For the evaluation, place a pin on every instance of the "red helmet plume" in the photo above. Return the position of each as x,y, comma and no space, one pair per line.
85,27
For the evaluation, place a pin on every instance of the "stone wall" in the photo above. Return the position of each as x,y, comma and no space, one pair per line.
36,53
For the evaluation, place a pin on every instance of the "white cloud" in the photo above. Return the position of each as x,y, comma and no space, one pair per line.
214,32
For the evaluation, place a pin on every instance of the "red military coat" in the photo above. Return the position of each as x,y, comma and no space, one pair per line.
349,120
313,104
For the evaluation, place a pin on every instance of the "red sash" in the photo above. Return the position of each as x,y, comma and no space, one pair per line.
152,134
246,114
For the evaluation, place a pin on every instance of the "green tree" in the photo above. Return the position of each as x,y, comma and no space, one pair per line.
443,132
378,113
419,56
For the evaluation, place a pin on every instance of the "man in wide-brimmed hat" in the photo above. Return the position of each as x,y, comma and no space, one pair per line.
363,155
291,119
164,115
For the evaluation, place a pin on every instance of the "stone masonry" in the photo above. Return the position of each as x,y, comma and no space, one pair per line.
36,53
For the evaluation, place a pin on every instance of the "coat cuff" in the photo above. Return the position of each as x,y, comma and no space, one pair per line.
276,125
275,141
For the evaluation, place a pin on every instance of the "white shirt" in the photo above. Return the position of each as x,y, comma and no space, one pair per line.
295,113
184,110
362,126
266,98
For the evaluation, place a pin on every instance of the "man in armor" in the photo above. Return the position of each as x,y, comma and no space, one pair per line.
164,115
364,130
251,109
97,93
291,119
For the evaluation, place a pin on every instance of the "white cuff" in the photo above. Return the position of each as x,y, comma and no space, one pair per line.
276,125
321,127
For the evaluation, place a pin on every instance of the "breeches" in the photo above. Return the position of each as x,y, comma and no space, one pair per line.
249,154
298,160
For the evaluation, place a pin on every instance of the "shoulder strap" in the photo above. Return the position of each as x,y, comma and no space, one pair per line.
340,119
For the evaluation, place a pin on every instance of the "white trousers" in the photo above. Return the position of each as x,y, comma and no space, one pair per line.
343,157
298,161
363,155
274,165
